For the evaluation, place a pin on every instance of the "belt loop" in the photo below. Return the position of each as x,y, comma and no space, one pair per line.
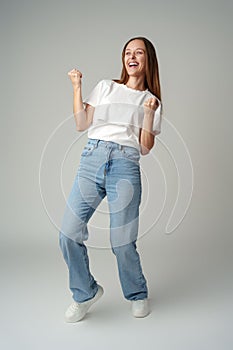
120,147
97,143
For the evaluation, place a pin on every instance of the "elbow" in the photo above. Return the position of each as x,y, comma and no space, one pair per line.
145,150
80,128
147,141
81,120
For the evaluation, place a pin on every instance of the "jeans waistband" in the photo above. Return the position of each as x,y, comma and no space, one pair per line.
115,145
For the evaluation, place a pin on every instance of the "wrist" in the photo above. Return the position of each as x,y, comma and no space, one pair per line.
77,88
149,114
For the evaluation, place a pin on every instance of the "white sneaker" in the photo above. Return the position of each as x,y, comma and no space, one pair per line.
140,308
76,311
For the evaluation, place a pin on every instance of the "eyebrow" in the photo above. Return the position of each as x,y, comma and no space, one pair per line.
139,48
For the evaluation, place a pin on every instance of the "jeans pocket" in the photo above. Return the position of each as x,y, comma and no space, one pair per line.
131,153
88,149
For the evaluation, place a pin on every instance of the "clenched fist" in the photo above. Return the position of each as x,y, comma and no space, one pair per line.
75,77
151,104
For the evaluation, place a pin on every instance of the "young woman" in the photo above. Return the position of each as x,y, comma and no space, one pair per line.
122,118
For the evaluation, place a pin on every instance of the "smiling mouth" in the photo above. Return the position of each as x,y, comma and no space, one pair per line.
133,64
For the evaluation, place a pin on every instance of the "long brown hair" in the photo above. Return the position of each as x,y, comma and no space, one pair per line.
152,82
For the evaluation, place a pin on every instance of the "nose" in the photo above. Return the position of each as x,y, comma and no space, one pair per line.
133,55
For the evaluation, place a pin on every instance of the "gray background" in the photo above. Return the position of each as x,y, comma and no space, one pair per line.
189,272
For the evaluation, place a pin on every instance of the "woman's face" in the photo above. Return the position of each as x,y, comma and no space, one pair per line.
135,58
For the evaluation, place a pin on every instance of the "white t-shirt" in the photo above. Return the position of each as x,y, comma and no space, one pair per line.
119,113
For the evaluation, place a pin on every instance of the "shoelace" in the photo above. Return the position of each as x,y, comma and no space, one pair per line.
74,306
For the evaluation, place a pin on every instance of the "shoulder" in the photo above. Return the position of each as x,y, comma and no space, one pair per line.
104,84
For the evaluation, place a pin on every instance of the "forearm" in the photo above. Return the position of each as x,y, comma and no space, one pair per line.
147,137
80,114
78,101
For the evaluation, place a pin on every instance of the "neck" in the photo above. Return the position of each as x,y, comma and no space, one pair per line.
136,83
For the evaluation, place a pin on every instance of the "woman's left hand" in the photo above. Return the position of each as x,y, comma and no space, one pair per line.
151,103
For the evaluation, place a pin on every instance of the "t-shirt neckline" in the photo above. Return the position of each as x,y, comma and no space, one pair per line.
131,89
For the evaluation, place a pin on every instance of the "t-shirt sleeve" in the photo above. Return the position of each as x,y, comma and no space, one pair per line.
157,120
93,98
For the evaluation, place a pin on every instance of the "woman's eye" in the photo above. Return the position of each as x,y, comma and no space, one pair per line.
139,52
127,53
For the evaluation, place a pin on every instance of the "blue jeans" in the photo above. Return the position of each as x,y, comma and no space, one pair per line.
106,169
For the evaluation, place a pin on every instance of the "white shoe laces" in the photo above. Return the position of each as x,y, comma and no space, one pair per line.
74,306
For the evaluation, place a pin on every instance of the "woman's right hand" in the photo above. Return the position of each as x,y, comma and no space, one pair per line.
75,77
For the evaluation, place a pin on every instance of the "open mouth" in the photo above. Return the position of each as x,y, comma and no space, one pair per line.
133,64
